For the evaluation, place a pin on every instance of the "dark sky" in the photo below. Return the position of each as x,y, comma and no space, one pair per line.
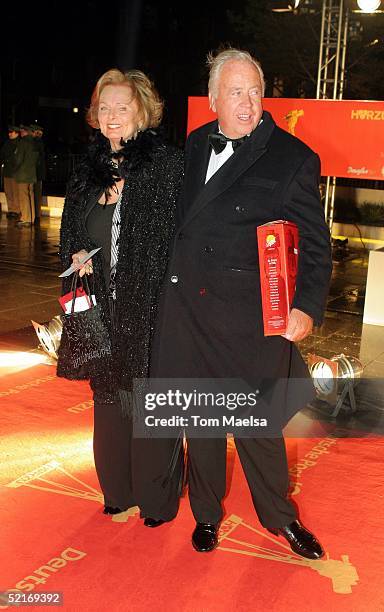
58,50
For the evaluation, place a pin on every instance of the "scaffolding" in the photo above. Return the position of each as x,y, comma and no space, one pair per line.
331,73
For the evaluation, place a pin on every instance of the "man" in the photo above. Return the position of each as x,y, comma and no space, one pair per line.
37,134
8,160
241,171
25,177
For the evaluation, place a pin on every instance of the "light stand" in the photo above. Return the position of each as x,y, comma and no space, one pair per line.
49,335
335,379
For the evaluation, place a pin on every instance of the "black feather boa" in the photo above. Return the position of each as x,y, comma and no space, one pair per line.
154,173
103,167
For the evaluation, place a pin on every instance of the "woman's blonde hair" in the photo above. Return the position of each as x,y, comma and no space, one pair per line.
148,100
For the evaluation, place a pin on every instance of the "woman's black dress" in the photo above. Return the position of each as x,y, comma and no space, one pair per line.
152,173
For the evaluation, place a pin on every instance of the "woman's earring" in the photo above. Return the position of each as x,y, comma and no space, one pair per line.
138,129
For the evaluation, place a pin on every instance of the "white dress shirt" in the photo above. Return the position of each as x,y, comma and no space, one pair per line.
216,161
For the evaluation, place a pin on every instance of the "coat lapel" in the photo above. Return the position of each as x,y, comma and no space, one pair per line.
244,157
197,167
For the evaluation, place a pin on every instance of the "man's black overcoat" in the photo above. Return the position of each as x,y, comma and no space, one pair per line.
210,322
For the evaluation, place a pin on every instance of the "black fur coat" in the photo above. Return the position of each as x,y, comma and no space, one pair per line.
153,173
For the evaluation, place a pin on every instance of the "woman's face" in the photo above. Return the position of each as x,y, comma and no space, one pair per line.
118,113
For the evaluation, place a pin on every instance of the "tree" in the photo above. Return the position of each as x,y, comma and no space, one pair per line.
287,45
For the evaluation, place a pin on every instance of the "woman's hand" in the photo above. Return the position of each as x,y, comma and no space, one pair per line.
85,268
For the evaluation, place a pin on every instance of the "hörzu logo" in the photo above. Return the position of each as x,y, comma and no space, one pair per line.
370,115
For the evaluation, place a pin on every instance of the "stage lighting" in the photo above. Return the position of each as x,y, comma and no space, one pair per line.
20,359
335,378
368,6
49,335
285,6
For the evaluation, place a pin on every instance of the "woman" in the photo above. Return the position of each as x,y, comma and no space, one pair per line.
122,198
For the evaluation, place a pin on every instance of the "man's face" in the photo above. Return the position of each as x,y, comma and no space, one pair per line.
12,134
238,102
23,133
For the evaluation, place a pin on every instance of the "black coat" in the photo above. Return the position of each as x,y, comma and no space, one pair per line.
153,173
211,317
8,152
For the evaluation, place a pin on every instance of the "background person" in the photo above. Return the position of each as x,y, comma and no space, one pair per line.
37,134
25,176
8,159
122,198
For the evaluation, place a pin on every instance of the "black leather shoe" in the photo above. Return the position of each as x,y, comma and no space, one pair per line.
111,510
302,541
151,522
204,538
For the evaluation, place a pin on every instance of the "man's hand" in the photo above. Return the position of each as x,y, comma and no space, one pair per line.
299,326
86,268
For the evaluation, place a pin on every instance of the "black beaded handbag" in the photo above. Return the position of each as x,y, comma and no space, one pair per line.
85,342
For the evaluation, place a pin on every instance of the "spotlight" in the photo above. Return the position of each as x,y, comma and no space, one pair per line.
49,335
368,6
285,6
335,378
20,359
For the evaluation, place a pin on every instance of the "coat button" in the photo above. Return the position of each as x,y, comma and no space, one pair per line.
208,249
180,236
239,209
174,279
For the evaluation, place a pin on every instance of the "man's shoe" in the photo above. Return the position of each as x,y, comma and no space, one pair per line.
204,538
302,541
151,522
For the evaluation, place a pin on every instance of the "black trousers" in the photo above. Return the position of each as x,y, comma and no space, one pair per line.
126,467
112,443
264,462
156,482
112,447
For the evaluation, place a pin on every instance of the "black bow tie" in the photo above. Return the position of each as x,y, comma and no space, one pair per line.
218,142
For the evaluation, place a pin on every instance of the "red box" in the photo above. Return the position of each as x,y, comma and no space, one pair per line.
278,243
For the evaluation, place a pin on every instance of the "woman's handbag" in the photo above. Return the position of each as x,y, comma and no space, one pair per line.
85,342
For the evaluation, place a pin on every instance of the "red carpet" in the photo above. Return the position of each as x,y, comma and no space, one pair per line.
55,537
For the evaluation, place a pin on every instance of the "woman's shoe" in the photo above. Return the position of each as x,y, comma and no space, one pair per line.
111,510
151,522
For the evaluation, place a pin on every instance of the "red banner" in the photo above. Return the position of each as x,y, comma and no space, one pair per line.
348,135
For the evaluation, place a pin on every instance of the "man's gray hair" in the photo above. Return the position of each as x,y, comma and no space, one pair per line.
216,63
